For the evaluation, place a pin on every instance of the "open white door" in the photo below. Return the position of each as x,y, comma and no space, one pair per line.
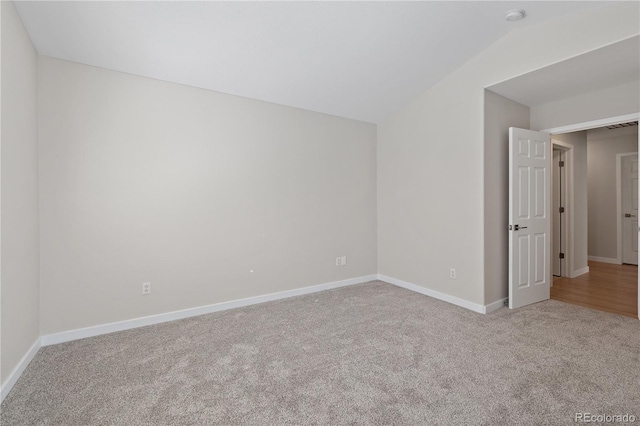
529,217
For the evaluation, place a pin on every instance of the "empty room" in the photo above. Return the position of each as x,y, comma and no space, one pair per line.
265,213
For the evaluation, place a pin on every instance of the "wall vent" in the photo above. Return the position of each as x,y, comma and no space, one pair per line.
618,126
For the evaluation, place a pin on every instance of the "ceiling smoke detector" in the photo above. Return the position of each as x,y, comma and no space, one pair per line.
515,15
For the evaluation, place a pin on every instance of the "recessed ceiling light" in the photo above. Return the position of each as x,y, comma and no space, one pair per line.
514,15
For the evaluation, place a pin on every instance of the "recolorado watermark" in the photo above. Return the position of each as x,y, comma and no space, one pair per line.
604,418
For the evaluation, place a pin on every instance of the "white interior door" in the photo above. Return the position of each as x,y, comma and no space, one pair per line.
629,188
529,217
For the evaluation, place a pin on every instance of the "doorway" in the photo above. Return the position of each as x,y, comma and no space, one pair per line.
610,253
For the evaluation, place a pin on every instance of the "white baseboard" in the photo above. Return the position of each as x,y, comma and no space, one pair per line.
82,333
482,309
604,260
19,369
579,272
494,306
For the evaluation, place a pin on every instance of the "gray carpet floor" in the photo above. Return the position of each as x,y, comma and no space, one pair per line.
366,354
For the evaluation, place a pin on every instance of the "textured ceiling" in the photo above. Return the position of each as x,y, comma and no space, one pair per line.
360,60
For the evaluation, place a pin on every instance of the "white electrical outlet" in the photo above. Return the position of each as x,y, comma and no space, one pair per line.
146,288
452,273
344,260
338,261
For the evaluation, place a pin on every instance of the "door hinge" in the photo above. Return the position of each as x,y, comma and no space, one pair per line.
561,209
561,255
561,163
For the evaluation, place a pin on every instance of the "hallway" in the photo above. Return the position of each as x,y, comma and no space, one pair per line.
606,287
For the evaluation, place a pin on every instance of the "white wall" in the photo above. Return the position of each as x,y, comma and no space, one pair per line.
143,180
431,154
602,147
500,113
578,141
19,192
612,102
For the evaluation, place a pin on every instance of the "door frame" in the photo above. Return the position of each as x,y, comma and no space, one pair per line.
619,202
568,186
576,127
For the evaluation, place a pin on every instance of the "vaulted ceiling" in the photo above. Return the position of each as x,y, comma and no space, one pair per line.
360,60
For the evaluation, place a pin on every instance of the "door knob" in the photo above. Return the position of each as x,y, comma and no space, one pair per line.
629,215
516,227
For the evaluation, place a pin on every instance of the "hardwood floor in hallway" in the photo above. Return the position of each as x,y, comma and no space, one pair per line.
606,287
